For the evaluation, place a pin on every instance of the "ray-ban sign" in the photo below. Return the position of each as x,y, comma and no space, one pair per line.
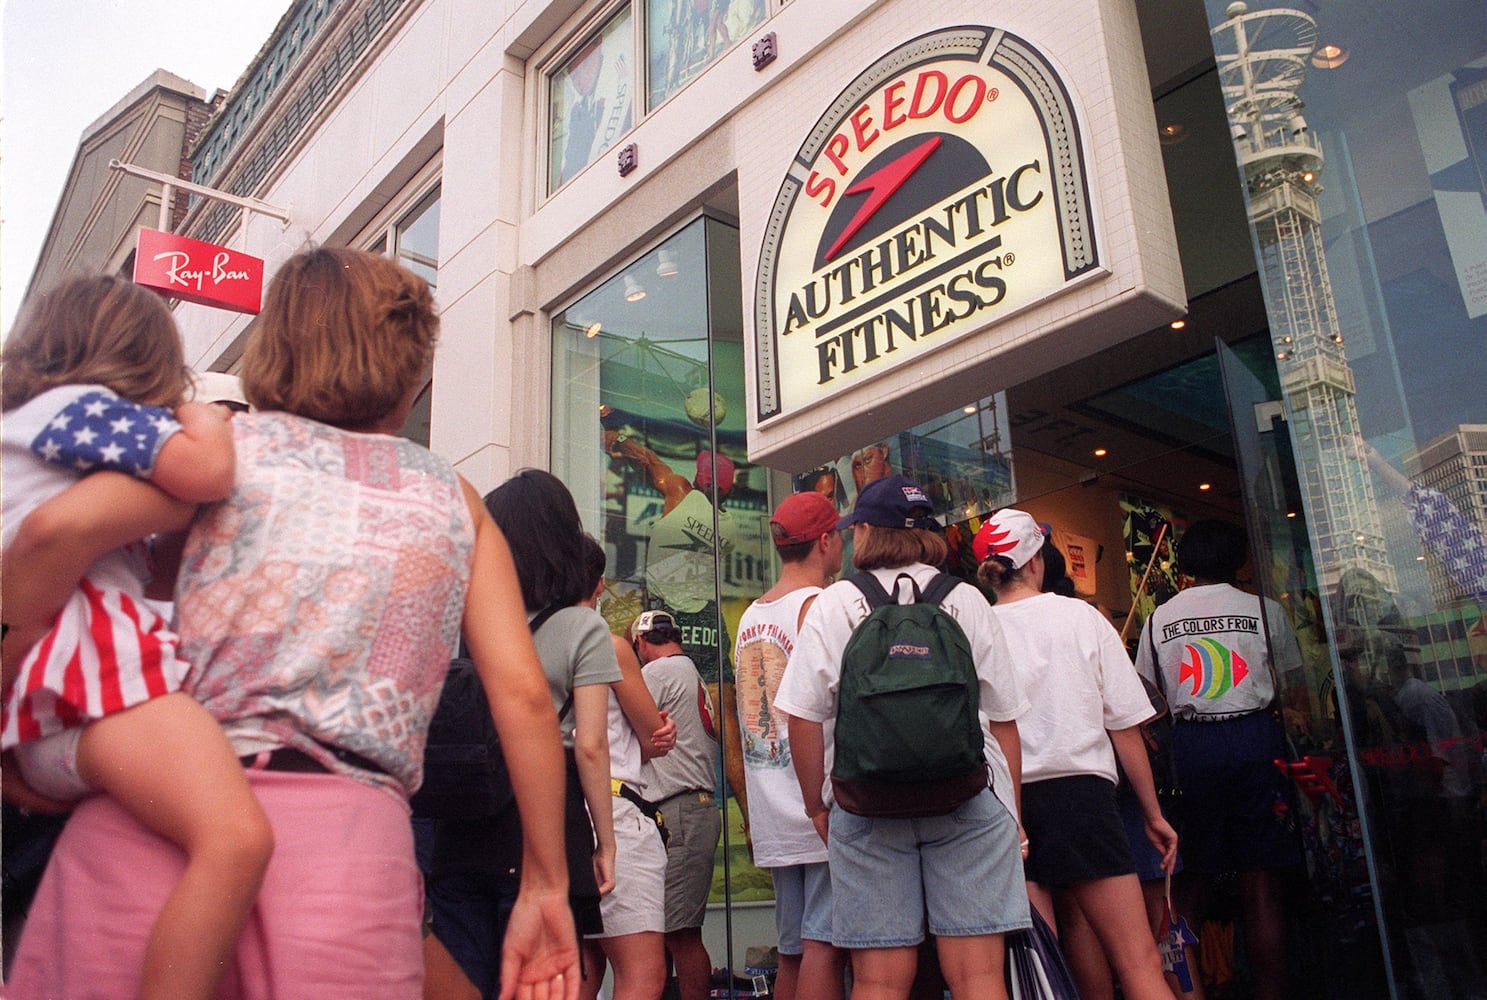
198,272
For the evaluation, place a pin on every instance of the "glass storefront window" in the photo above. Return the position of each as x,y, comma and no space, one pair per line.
648,433
683,37
413,235
1362,164
589,100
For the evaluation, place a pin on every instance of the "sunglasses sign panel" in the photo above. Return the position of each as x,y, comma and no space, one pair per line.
943,190
204,273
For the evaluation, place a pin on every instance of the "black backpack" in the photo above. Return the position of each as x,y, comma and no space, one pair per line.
908,738
464,772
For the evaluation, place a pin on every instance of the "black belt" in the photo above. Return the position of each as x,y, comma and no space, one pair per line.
290,759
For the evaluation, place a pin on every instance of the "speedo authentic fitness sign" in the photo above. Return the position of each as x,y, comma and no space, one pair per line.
945,190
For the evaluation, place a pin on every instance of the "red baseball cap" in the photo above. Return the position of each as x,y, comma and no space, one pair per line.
802,517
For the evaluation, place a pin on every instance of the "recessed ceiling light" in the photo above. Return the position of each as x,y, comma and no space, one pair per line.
1172,133
1329,56
1290,513
1100,453
1178,324
1205,487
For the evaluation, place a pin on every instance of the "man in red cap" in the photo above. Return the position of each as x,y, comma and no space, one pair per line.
785,840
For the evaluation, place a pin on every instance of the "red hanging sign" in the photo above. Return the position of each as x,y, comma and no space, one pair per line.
199,272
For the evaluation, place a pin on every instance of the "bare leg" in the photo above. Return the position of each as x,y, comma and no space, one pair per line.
973,966
1117,913
694,969
443,979
639,964
1083,952
167,762
593,970
822,971
883,973
786,977
1042,899
1264,932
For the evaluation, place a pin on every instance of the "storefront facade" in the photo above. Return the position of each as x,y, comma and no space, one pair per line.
1123,266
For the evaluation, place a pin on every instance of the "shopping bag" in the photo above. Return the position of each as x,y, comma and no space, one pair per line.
1035,965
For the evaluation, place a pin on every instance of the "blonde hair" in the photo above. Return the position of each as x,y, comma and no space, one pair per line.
98,329
890,548
345,336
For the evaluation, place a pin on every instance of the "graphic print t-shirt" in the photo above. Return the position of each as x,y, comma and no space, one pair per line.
1210,644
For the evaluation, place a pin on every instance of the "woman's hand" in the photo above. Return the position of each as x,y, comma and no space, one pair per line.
539,955
1163,838
604,870
664,738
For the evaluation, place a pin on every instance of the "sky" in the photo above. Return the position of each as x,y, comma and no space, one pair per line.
67,62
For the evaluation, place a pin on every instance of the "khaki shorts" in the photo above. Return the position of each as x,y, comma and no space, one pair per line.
695,824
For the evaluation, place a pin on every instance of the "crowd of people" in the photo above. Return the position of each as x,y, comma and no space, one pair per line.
256,743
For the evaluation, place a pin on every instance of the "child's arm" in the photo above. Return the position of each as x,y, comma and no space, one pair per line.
60,539
197,462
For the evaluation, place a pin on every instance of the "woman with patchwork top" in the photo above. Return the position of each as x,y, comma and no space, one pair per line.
318,605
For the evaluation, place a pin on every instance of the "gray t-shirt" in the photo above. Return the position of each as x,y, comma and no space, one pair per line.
691,765
575,651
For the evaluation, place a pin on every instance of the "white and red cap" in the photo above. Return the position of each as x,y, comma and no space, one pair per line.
1009,533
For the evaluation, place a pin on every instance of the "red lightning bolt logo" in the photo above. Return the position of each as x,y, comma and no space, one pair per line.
882,183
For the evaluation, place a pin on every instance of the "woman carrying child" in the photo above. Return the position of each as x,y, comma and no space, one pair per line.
318,605
94,379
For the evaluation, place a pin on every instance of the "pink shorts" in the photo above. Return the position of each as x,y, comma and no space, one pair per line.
337,917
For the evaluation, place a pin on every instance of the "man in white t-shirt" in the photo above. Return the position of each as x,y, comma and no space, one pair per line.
785,840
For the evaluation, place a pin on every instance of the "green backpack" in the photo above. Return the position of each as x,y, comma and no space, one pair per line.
908,738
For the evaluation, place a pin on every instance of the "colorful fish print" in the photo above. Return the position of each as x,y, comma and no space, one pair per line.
1213,668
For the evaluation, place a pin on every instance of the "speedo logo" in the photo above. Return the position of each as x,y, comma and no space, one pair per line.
908,651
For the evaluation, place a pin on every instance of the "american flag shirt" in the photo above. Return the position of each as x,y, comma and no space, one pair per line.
107,650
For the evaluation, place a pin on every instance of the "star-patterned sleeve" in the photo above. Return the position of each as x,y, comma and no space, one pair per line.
1451,537
99,430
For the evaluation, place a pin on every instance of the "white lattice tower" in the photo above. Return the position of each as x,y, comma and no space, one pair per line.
1262,60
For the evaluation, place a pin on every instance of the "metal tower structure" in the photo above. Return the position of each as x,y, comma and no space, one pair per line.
1262,60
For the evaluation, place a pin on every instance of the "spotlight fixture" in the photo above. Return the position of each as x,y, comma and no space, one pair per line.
1329,56
1308,177
1282,355
1290,513
1100,452
667,267
1172,133
1178,324
634,290
1205,487
592,330
968,409
1337,338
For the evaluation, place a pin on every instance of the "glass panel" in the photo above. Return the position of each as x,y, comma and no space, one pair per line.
1376,287
417,238
416,246
648,432
589,100
683,37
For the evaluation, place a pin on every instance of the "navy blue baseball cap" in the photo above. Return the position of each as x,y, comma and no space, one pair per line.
890,502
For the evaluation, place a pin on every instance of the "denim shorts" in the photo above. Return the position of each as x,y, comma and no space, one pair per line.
802,905
963,869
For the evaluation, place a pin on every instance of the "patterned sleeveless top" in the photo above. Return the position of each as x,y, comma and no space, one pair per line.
320,602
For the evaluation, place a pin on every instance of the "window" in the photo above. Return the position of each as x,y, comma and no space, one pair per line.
409,233
590,93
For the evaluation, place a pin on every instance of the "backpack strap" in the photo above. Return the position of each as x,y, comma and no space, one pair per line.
871,589
939,588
